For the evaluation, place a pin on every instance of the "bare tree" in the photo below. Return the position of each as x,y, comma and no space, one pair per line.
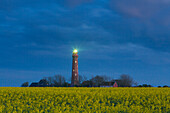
50,81
135,83
126,81
82,78
98,80
59,80
43,83
106,78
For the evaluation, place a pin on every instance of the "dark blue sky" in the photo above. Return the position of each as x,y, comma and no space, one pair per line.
114,37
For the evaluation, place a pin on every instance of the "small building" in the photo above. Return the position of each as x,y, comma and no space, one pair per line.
114,85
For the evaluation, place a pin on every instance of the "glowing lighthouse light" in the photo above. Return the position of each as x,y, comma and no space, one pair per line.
75,51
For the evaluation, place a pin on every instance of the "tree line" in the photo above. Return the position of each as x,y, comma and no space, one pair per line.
97,81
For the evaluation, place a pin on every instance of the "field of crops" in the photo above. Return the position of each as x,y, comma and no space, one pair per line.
74,100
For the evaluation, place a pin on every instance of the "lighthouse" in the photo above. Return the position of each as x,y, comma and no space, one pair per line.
75,76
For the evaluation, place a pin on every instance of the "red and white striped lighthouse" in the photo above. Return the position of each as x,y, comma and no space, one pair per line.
75,76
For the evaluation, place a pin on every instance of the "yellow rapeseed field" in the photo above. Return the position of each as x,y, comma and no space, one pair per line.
88,100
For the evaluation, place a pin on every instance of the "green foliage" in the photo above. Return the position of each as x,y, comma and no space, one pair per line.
79,100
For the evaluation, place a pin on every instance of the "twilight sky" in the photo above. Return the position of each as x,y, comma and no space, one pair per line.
113,37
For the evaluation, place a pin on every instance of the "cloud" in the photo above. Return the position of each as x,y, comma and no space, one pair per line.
10,5
50,24
124,52
73,3
140,9
148,55
152,13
